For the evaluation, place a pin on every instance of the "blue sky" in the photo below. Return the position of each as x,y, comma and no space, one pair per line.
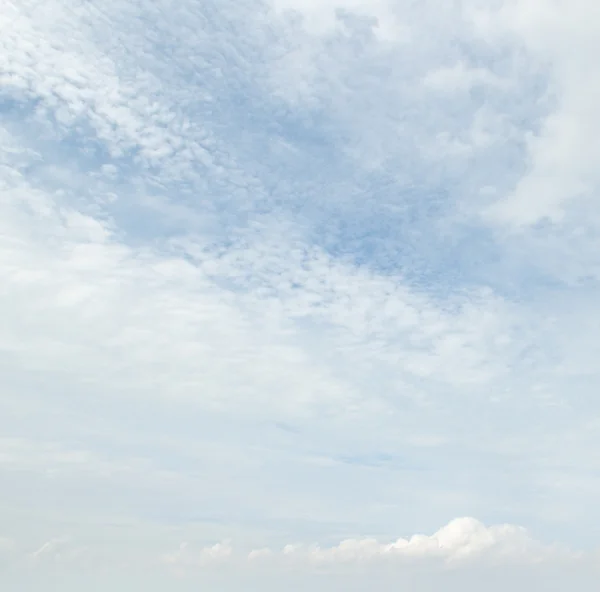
299,293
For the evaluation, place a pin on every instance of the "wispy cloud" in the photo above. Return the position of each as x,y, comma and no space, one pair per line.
294,271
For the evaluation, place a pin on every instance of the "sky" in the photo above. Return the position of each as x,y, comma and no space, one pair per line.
299,294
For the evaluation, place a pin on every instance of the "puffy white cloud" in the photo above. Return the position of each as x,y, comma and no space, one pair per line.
462,542
207,556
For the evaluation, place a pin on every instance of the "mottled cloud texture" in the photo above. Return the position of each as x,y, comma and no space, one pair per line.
285,283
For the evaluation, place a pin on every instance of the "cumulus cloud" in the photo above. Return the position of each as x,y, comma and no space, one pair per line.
462,542
185,557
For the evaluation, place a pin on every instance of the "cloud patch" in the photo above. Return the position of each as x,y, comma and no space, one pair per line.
462,542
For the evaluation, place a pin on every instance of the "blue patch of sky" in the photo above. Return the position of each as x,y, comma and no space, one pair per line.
367,218
75,146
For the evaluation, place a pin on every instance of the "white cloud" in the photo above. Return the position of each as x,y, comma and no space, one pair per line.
461,554
50,548
135,315
77,86
562,38
247,288
463,539
462,542
323,17
460,78
184,557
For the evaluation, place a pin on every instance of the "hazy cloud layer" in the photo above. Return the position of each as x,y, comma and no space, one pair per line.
290,271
